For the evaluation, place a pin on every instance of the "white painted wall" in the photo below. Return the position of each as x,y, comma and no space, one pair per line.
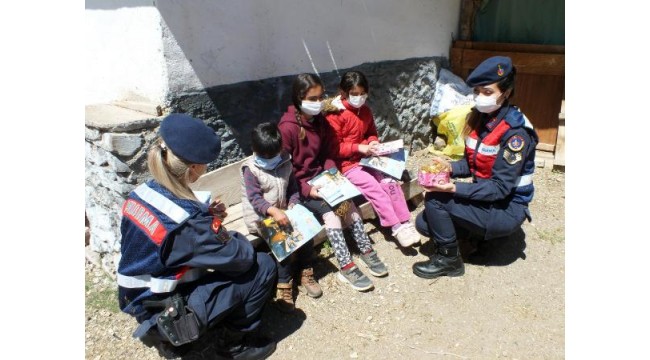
232,41
184,46
124,53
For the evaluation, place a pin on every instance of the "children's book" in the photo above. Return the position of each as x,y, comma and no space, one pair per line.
335,187
391,164
389,147
284,240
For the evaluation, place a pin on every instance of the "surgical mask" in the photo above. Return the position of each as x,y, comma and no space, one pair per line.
311,107
486,104
357,101
268,164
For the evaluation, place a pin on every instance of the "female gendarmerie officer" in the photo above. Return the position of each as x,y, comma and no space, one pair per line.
500,156
181,272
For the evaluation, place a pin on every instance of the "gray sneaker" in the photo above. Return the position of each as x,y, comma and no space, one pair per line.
355,278
375,265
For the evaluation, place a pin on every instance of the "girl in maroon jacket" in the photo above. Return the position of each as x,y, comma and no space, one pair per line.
303,129
355,136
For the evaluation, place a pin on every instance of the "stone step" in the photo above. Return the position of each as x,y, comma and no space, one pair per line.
109,117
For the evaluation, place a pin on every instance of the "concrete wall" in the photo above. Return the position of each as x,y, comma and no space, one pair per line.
226,42
124,52
138,50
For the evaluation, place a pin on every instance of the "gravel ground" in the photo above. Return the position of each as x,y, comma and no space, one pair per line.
512,307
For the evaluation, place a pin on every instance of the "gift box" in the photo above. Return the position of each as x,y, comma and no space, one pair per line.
432,174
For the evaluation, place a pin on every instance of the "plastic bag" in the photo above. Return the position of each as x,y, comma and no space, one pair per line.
450,124
451,91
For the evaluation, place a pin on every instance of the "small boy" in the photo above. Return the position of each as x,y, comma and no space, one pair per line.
270,188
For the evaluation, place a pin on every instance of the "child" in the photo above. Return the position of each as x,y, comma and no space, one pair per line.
303,129
356,137
270,188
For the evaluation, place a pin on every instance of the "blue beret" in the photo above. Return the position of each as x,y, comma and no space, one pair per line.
190,139
490,71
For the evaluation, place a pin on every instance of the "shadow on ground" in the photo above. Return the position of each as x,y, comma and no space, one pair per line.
496,252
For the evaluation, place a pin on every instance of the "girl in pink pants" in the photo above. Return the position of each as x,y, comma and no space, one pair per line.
355,137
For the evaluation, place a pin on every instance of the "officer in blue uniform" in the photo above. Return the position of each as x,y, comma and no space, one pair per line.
499,155
181,272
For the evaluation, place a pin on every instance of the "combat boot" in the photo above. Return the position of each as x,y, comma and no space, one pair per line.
446,262
232,344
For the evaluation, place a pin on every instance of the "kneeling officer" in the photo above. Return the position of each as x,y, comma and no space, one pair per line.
181,272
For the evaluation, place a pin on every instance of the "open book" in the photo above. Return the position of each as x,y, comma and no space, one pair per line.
391,164
335,187
389,147
285,240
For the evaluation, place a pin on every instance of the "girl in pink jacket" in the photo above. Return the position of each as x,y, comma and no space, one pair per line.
356,137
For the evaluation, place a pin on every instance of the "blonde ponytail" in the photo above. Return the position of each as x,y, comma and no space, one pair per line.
170,171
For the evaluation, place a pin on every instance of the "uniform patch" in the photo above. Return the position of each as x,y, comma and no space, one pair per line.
512,157
491,124
219,230
516,143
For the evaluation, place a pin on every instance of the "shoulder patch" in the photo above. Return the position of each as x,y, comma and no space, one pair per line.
516,143
512,157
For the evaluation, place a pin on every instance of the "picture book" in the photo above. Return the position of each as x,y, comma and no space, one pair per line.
389,147
391,164
335,187
284,240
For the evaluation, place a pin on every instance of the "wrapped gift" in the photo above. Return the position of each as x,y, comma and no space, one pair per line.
433,174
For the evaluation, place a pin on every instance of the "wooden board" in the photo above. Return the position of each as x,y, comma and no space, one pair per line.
559,149
223,183
539,87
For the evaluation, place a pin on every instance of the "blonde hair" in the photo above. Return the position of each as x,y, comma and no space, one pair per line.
169,170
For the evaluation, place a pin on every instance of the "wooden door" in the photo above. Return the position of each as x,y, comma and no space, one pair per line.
539,87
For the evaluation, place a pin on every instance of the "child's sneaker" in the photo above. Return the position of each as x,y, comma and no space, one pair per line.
375,265
355,278
406,235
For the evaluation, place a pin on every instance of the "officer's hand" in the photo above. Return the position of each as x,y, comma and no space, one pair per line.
448,187
314,192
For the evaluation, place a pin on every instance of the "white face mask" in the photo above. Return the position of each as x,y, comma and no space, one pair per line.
311,107
357,101
486,104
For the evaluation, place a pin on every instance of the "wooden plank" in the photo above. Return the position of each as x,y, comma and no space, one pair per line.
545,147
223,183
235,212
559,149
456,59
509,47
526,63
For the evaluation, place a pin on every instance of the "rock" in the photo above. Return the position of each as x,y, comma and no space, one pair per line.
122,144
93,257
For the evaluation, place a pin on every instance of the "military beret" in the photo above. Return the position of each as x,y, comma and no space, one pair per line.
490,71
190,139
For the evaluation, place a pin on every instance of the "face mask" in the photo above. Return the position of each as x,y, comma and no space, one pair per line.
357,101
486,104
268,164
311,107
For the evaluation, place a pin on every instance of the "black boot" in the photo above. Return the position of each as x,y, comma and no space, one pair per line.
446,262
239,345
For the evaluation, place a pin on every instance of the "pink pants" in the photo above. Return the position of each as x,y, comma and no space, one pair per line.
386,197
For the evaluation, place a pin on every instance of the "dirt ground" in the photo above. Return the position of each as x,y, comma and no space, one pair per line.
511,307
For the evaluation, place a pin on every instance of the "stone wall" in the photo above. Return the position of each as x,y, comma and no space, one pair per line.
400,96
